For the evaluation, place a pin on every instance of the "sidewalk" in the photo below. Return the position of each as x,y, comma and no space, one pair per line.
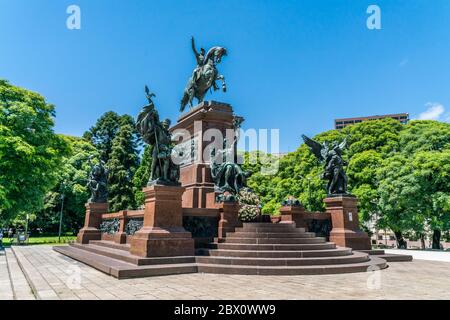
423,255
54,276
13,284
6,292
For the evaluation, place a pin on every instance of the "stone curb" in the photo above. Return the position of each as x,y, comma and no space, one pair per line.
27,277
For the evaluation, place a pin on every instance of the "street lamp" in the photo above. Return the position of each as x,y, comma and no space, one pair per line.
26,227
61,213
60,217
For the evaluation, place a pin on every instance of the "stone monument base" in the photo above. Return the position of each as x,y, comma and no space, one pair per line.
92,222
88,234
358,240
229,219
291,213
344,216
163,234
157,242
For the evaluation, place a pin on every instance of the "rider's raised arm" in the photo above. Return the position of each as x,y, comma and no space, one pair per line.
193,47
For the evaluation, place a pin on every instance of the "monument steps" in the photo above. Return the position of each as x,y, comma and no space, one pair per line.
275,240
261,235
283,247
389,257
274,254
128,257
121,269
349,259
285,227
373,264
111,244
267,252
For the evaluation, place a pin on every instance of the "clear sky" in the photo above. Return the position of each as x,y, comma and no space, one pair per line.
292,65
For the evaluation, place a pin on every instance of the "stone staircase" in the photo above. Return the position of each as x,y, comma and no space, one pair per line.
253,249
116,260
281,249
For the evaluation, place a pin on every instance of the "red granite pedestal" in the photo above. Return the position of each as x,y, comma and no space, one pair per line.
163,234
229,219
344,218
295,214
92,222
201,124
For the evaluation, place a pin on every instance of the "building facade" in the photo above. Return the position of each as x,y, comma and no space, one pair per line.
344,122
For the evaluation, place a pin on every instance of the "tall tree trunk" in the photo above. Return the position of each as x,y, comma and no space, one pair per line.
401,243
422,241
436,239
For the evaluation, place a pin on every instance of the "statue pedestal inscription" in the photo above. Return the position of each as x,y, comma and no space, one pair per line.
195,173
92,222
163,234
344,217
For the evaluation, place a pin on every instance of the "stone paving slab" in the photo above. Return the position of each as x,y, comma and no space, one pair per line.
443,256
20,286
54,276
6,291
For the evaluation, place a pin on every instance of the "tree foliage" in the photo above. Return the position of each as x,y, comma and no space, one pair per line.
30,151
142,175
400,174
122,165
102,134
72,184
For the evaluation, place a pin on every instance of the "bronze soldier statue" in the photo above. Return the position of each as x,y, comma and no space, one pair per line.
156,133
98,182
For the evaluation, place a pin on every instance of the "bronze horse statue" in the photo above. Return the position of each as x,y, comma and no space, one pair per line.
204,76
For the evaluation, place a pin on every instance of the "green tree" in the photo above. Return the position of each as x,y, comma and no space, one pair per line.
432,171
399,198
105,130
398,172
425,135
426,143
142,175
30,151
122,165
72,183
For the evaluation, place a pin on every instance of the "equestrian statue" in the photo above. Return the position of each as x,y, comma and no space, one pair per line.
204,76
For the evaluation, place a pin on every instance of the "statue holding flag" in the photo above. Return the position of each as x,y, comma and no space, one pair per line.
156,133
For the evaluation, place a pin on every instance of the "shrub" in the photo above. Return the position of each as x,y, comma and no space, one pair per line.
249,202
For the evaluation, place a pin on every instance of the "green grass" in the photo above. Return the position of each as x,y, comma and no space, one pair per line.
43,240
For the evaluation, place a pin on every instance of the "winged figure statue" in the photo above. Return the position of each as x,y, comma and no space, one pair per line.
331,156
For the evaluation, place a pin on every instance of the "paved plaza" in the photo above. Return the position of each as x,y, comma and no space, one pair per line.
53,276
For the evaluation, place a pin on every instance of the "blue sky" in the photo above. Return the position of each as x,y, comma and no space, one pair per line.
292,65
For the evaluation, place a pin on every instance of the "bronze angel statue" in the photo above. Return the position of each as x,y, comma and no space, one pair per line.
156,133
334,171
204,75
